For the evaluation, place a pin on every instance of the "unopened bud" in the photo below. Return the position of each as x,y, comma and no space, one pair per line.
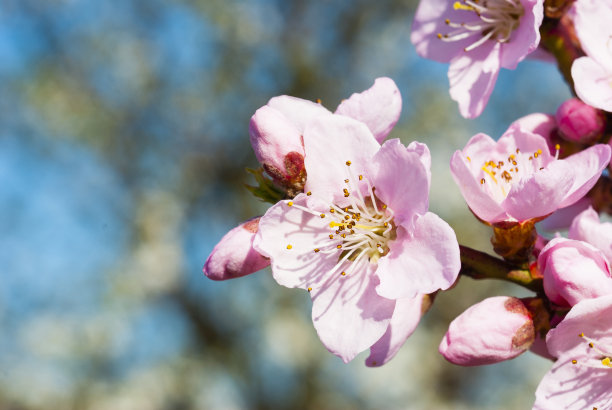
278,146
573,271
579,122
234,255
494,330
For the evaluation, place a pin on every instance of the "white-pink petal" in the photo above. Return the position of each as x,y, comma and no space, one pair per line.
421,261
378,107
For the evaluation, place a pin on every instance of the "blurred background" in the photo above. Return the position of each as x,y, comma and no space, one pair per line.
123,143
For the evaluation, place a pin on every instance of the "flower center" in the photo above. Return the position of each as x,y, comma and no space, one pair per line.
365,226
596,357
499,174
489,19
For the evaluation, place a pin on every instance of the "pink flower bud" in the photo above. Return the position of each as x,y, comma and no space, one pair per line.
278,145
234,255
494,330
573,271
579,122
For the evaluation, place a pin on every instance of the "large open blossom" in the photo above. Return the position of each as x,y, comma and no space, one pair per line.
276,136
581,378
517,178
592,74
477,38
360,239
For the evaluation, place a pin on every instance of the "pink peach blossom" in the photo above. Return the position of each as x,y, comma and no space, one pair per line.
477,39
592,74
573,271
581,378
517,178
276,131
360,239
579,122
496,329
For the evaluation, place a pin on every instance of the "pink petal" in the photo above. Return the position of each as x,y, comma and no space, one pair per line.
423,151
234,255
422,261
571,386
562,218
541,193
526,37
592,23
406,196
348,314
479,201
587,165
587,227
298,111
378,107
472,76
329,142
273,136
283,226
538,123
429,20
593,83
404,321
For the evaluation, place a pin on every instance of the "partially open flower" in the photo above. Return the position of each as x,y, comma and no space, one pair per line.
494,330
517,178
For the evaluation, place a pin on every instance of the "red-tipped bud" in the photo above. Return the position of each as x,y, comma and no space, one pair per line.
579,122
494,330
234,255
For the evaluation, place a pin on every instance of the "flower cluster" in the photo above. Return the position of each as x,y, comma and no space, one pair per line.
349,221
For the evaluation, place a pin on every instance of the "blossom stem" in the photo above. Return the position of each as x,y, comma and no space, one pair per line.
479,265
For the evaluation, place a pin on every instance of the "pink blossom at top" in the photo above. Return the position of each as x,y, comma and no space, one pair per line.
276,136
517,178
588,228
581,378
573,271
360,239
477,38
592,74
491,331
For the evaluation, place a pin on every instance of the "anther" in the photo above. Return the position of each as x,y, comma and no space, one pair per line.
348,163
346,181
308,193
318,101
574,361
310,289
343,274
316,250
289,246
360,177
339,246
289,203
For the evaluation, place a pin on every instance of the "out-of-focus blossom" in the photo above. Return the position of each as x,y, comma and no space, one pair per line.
592,74
360,239
477,39
581,378
573,271
579,122
517,178
494,330
276,131
588,228
234,255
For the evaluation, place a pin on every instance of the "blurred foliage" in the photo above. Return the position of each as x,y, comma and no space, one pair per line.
122,152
